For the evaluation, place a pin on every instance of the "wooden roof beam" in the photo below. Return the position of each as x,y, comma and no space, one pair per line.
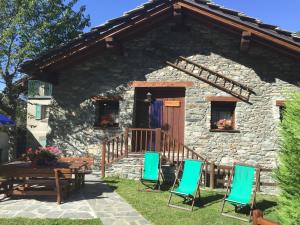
245,41
113,44
179,19
267,38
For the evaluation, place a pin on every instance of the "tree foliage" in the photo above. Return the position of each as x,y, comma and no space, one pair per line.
288,173
27,28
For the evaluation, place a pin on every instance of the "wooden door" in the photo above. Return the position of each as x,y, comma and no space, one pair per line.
173,109
173,117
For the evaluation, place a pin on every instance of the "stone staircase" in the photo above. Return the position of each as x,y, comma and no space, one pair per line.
130,168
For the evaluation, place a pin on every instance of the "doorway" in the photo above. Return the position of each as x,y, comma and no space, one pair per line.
166,110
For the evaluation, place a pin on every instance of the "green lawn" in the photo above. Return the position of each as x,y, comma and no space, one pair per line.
23,221
153,205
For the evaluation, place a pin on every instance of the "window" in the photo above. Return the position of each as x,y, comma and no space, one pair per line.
107,113
39,89
41,112
222,115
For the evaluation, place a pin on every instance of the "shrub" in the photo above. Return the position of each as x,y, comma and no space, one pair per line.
288,172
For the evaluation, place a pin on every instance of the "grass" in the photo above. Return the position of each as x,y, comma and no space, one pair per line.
23,221
153,206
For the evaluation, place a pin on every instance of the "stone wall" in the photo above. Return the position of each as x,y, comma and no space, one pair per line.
270,74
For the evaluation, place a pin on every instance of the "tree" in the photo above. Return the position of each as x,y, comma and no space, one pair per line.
27,28
288,173
298,33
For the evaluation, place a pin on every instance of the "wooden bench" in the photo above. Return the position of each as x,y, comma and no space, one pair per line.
41,182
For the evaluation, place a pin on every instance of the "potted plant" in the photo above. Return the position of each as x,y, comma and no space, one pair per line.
223,124
43,156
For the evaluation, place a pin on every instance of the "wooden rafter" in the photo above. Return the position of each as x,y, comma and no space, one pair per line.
240,26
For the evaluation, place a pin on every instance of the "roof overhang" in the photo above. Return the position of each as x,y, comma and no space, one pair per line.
143,18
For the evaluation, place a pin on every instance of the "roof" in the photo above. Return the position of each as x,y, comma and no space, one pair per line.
148,13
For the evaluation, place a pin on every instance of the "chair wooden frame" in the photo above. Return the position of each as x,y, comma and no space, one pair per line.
156,184
86,169
228,189
191,197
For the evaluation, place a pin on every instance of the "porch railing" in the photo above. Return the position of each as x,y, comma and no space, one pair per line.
139,140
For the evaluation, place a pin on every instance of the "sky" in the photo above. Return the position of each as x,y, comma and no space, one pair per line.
283,13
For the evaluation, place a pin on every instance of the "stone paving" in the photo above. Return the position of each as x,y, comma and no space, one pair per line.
95,200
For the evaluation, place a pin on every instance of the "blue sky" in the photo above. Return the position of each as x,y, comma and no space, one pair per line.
283,13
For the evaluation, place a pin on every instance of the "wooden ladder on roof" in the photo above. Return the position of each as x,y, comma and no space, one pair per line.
213,78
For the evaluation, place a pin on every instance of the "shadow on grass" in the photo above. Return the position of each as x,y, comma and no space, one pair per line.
266,206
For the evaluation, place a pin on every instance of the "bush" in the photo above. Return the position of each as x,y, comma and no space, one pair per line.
288,173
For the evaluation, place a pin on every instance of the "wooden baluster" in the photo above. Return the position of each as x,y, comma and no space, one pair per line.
126,142
146,141
178,150
158,139
169,148
108,151
117,147
164,143
212,175
113,149
141,141
151,140
173,150
122,143
103,159
205,174
136,143
188,153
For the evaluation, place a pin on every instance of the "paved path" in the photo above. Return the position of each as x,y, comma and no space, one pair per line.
96,200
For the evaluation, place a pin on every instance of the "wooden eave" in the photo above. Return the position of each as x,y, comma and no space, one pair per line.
259,35
142,20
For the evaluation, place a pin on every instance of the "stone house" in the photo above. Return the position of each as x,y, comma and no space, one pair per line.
212,78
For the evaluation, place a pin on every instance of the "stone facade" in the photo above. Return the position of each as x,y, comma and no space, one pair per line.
270,74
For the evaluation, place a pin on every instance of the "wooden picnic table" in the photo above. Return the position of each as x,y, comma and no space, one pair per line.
24,180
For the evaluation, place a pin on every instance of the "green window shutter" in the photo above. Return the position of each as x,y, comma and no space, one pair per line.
31,87
38,112
48,89
43,143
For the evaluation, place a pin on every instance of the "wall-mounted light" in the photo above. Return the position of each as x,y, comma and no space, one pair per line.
149,97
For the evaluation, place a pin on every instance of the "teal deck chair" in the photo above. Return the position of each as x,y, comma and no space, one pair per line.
189,184
150,173
240,191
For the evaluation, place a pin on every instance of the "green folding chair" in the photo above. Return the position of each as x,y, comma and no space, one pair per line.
150,174
189,184
240,192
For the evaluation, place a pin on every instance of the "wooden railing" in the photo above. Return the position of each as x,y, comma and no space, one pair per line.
113,150
259,220
139,140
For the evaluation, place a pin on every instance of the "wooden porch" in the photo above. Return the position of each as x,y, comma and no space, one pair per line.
139,140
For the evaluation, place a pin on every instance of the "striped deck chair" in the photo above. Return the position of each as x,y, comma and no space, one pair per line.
150,174
189,184
240,192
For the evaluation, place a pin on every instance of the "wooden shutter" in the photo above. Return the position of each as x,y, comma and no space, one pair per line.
38,112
